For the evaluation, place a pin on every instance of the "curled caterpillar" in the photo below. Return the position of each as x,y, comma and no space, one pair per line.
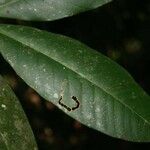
63,105
68,108
76,100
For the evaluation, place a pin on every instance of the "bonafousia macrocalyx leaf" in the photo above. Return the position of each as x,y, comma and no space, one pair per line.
15,131
82,82
46,9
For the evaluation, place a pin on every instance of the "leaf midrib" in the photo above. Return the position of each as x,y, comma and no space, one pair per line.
3,32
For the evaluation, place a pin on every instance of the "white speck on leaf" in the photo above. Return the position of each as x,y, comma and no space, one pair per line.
55,95
24,66
4,106
97,109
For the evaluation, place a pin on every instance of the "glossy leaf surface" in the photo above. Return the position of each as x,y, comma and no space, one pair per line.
46,9
66,72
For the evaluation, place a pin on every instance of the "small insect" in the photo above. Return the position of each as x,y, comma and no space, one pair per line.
68,108
63,105
76,100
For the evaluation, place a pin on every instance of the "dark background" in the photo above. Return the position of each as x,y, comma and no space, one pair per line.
120,30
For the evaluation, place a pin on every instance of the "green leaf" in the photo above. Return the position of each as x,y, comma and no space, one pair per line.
61,69
46,9
15,131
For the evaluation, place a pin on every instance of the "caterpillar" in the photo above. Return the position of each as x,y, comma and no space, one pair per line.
68,108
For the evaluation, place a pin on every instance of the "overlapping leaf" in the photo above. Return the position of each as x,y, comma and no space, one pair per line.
15,132
66,72
46,9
